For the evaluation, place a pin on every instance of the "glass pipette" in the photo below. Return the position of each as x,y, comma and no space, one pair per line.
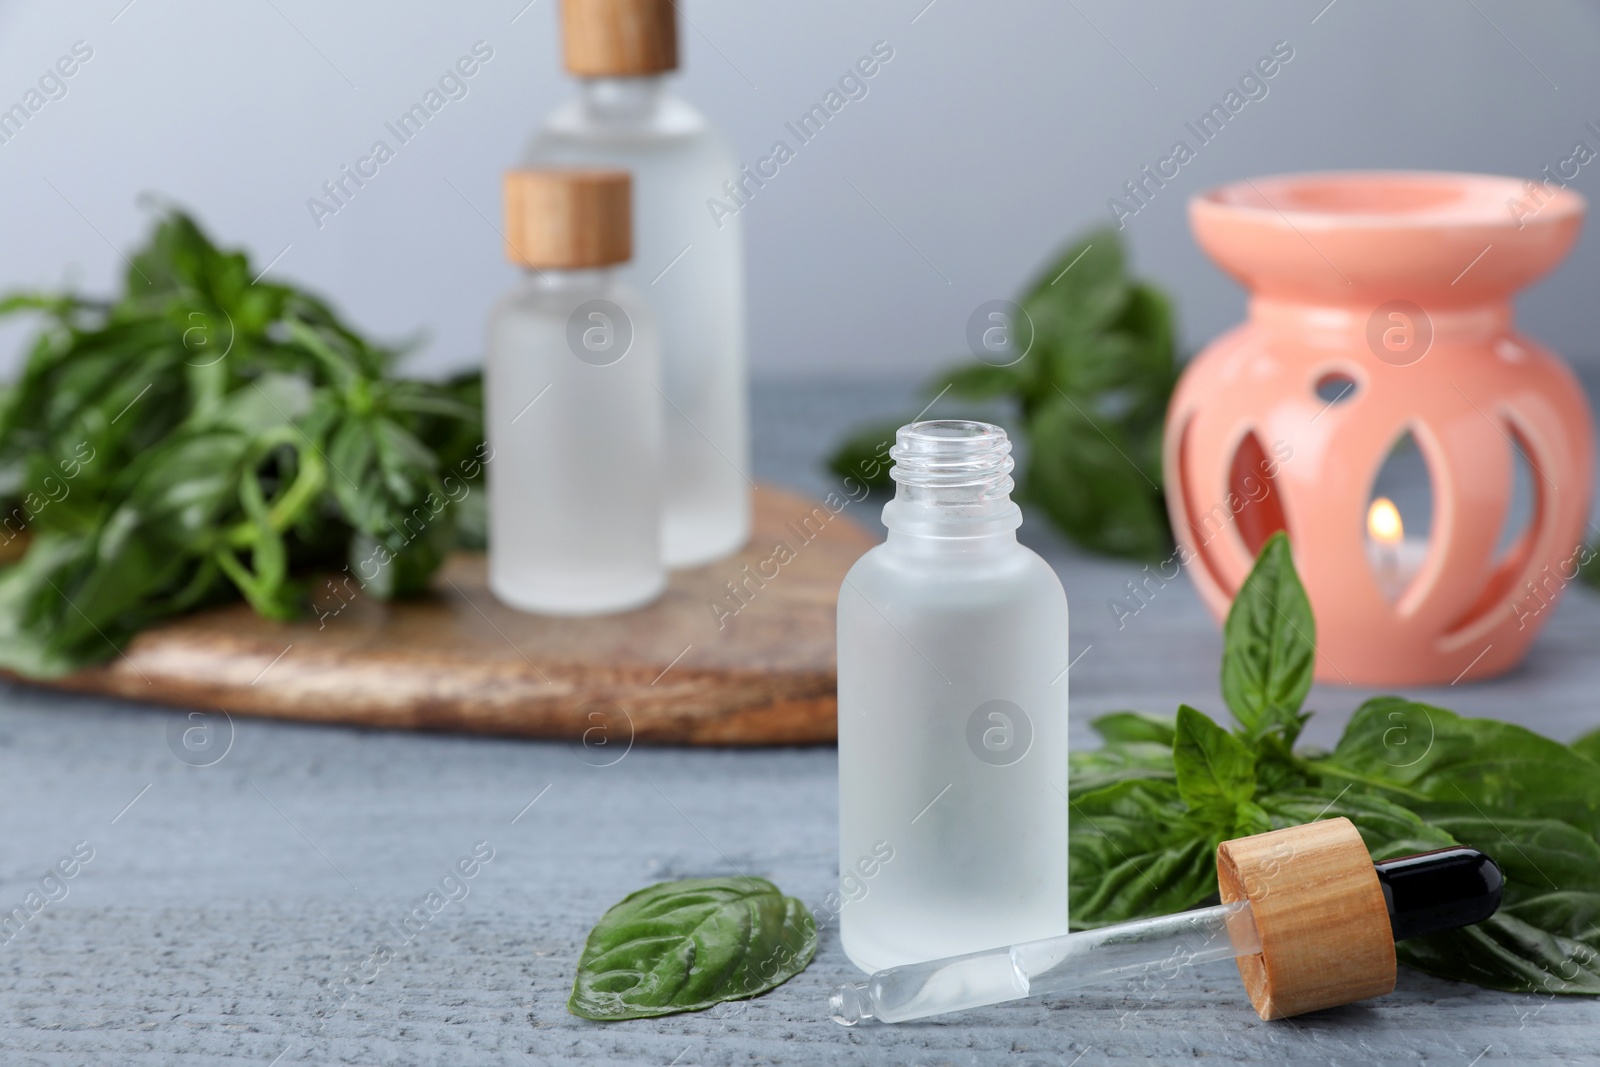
1038,968
1423,893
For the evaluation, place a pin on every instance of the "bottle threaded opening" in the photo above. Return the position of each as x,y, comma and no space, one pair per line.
953,454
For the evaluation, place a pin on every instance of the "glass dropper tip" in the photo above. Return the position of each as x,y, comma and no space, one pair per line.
849,1004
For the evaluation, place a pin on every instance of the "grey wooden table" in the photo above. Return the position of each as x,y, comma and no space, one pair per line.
233,912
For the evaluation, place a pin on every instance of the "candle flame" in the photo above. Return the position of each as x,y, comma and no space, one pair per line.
1383,522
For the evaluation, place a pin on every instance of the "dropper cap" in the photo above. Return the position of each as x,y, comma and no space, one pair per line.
1328,917
619,38
568,219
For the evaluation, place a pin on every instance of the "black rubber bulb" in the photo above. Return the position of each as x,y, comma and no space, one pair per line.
1440,890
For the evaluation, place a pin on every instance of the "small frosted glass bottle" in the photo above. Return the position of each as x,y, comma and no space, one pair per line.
952,715
574,414
687,259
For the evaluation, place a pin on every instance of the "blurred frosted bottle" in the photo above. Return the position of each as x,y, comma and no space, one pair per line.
689,264
952,714
574,415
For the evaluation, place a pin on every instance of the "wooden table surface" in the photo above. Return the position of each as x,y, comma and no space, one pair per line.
230,912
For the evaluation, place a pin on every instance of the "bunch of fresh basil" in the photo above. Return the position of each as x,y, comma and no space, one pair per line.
1151,805
203,436
1088,394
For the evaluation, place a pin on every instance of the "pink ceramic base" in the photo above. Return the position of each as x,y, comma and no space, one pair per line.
1399,283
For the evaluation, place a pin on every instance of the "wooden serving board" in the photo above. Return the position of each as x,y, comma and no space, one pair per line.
699,666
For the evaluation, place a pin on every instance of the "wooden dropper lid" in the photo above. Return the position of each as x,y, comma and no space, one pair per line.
1321,914
568,219
619,38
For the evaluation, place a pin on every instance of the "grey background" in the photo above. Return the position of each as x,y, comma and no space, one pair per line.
997,131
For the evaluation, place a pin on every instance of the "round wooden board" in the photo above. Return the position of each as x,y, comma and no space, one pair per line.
740,652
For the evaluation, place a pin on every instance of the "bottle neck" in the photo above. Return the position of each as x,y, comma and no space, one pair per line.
570,279
952,490
619,100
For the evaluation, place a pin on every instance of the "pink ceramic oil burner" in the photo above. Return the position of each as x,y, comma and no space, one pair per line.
1380,305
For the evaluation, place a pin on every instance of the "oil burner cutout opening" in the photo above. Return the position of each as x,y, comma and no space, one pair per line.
1524,523
1254,492
1527,496
1250,511
1398,522
1336,387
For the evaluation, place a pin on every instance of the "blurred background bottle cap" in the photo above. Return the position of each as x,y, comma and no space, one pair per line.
568,218
619,37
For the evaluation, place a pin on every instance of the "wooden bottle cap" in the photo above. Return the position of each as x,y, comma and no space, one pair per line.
619,37
568,218
1317,904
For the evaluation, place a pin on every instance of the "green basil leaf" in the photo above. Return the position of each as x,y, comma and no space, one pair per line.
1136,726
1544,938
1269,647
387,573
1083,472
1250,818
1213,767
685,946
1091,769
1136,850
1084,287
1094,370
976,381
1148,317
1428,753
40,635
1388,829
1506,952
457,438
1588,746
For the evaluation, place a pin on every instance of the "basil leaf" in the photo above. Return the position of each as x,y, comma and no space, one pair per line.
1250,818
1506,952
1549,865
685,946
1388,829
1269,647
1427,753
1085,284
1544,938
1096,768
977,381
1083,473
1135,726
1588,746
1213,767
1136,850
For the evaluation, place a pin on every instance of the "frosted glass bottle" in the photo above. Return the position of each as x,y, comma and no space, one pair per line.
952,715
574,419
688,263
